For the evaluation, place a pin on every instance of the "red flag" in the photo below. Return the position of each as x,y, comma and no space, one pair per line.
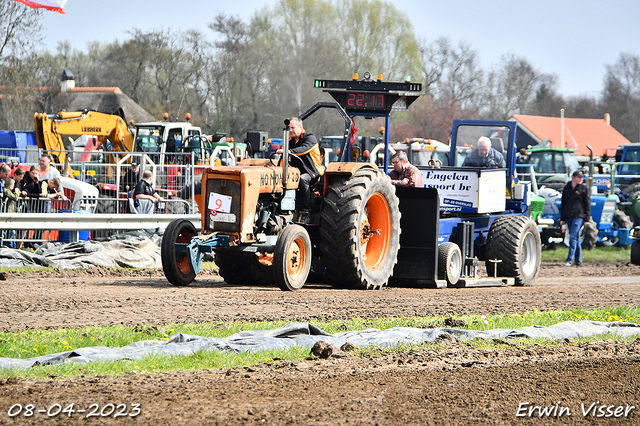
53,5
354,129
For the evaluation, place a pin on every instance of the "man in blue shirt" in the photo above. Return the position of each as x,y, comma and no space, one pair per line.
485,156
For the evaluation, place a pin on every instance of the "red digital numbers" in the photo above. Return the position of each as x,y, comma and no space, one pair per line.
365,100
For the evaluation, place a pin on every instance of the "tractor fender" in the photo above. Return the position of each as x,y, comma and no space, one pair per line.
342,169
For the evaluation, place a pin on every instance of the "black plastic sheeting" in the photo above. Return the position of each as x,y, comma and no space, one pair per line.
128,250
306,335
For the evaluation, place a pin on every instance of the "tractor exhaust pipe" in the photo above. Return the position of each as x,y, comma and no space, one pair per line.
285,155
590,178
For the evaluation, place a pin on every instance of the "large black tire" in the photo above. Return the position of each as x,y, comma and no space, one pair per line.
261,271
175,264
360,230
515,241
244,269
620,220
292,258
635,252
449,263
623,219
589,235
233,267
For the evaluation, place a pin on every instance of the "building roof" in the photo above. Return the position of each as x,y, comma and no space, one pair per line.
578,132
103,99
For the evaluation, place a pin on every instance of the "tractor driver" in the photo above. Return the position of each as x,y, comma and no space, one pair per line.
485,156
306,156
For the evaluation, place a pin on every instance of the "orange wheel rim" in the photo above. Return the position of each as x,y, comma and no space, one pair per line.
296,259
375,231
183,264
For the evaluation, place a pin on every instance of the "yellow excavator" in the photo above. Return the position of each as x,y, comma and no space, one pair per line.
110,129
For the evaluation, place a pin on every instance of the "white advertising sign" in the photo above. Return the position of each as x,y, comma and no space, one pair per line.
468,191
492,187
458,190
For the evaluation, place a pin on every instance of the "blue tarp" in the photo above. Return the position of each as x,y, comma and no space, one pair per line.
16,140
306,335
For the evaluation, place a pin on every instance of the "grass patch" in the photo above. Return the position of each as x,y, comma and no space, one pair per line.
25,269
34,343
611,255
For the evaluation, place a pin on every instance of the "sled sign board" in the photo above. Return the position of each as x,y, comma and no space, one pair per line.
468,191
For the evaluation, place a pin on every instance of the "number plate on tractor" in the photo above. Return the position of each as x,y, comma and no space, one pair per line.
222,217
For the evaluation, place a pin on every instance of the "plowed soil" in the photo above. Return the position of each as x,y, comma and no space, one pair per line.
454,385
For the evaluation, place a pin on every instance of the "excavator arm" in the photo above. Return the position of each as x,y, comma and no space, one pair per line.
110,129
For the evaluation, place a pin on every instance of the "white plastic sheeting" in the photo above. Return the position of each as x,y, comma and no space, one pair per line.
129,251
306,335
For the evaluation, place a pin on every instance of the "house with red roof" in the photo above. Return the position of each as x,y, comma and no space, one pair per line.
569,133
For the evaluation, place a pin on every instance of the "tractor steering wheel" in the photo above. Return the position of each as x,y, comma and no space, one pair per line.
275,156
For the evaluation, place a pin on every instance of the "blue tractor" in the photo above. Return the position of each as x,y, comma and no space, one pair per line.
553,167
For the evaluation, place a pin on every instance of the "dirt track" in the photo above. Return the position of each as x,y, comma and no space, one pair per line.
457,384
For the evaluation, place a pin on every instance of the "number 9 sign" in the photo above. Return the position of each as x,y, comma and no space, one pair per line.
219,203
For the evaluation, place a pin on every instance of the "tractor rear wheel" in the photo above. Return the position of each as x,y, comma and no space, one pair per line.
261,270
175,263
233,267
635,252
245,269
622,220
292,258
449,263
589,235
515,241
360,230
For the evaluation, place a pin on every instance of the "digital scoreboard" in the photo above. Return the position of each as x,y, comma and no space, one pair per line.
371,95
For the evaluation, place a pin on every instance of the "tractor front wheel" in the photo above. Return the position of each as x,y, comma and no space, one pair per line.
292,258
449,263
175,263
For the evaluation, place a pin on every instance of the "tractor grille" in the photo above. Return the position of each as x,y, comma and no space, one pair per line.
228,222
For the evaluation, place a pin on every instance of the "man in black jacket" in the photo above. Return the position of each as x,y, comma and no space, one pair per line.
575,209
306,156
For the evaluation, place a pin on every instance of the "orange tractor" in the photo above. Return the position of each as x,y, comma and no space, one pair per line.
249,217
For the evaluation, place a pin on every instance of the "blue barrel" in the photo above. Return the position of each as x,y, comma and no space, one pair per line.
65,236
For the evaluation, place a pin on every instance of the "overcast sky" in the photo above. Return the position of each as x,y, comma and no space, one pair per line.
574,39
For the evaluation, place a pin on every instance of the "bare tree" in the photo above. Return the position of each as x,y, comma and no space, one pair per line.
621,95
462,78
547,102
375,36
20,28
434,62
510,88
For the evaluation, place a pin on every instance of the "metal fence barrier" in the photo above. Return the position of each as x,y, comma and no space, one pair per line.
75,223
106,171
14,238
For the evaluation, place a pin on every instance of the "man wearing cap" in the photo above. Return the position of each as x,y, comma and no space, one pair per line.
131,178
575,209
